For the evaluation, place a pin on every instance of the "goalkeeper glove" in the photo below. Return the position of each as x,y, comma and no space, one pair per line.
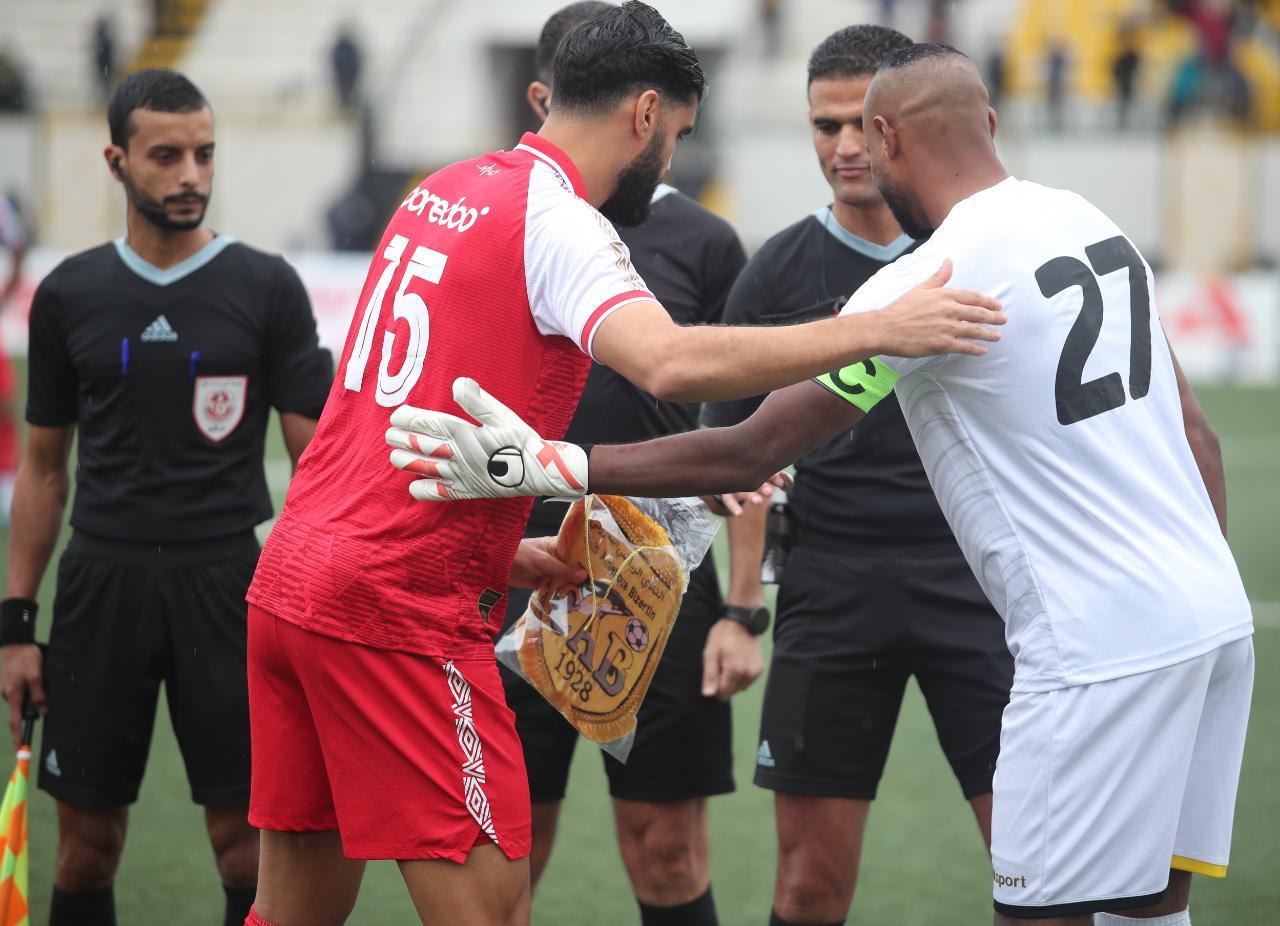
502,457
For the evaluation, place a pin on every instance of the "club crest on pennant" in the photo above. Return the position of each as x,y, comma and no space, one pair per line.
219,404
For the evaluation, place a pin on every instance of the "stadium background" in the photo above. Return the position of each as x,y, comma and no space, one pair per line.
1190,168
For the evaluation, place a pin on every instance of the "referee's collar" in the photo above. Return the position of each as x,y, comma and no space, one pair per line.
184,268
556,158
884,253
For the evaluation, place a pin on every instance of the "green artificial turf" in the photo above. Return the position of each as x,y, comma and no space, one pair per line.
923,862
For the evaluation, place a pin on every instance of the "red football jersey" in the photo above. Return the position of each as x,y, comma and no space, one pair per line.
497,269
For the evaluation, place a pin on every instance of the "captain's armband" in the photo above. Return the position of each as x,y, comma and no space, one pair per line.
862,384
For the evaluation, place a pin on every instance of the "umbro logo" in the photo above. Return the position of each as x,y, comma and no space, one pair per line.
51,764
764,755
488,170
159,330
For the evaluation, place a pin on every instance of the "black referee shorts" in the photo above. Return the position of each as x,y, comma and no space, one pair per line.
852,628
126,617
682,748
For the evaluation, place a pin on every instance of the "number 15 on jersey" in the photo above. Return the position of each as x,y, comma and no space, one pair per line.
409,307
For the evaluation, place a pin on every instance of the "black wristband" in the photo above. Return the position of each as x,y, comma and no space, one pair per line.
18,620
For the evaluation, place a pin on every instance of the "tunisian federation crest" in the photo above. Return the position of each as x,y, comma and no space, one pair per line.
219,404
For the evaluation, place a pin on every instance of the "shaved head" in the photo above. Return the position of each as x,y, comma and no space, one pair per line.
930,82
929,127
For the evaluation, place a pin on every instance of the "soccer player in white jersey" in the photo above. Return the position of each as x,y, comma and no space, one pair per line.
1060,459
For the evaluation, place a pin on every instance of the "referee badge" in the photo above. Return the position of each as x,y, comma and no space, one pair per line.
219,404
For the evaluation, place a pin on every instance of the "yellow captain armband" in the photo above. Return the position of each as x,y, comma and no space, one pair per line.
862,384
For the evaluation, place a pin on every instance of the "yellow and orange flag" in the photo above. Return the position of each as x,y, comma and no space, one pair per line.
14,885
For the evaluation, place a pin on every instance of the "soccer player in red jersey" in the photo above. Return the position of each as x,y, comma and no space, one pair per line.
380,730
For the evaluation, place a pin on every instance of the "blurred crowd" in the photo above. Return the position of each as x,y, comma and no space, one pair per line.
1169,60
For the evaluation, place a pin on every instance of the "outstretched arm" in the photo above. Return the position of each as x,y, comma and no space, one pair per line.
700,364
789,424
503,457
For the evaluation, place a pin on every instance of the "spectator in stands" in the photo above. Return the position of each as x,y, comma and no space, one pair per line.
771,27
346,59
1210,77
1124,71
162,18
1056,67
938,27
104,54
354,220
996,73
13,84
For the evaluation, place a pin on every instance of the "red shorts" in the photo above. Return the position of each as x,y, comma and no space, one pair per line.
407,756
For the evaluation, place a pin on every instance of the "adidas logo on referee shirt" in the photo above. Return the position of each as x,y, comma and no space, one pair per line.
159,330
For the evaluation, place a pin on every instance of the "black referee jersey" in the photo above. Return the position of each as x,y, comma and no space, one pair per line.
169,376
866,487
689,257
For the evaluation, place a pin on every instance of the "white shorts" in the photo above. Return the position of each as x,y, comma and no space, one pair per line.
1101,788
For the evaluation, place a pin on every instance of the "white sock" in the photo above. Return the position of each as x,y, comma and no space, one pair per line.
1173,919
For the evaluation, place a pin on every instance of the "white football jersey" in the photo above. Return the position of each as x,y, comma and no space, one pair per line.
1060,458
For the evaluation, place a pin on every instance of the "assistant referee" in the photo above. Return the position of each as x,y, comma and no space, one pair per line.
166,348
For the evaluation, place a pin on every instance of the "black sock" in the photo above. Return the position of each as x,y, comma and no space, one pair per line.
700,911
83,908
775,920
239,900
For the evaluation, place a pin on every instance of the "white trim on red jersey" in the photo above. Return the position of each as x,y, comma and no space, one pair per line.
577,269
557,161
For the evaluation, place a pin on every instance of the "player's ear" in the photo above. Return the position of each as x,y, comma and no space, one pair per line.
647,113
991,121
539,96
113,155
888,137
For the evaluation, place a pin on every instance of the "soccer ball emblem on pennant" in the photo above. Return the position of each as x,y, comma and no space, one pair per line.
637,634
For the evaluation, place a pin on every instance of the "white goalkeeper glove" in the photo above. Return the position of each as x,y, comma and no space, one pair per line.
502,457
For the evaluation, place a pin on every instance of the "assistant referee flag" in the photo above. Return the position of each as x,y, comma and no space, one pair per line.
14,886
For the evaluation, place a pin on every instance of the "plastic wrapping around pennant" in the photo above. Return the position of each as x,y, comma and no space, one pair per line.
591,649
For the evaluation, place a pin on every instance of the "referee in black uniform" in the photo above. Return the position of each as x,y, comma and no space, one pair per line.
875,588
166,349
682,752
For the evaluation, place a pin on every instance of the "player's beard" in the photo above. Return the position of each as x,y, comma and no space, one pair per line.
633,194
904,209
154,211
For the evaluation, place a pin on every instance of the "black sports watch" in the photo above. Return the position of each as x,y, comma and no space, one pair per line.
754,619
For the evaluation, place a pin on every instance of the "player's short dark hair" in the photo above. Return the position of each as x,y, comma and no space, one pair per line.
159,89
854,51
619,51
562,22
920,51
